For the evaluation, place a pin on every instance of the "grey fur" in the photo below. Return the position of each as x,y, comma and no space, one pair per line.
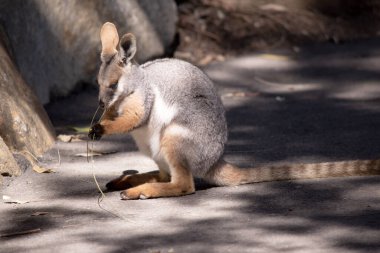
200,110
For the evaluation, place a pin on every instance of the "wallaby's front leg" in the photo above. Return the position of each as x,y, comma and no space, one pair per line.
128,181
129,115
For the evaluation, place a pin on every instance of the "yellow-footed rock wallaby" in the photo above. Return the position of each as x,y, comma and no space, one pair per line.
173,112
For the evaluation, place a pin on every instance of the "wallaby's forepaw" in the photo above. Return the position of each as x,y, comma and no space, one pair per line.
96,132
128,181
118,184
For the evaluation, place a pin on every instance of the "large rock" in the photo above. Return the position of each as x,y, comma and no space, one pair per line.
8,165
56,43
24,124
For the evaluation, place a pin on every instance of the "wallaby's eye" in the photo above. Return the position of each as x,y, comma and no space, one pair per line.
113,86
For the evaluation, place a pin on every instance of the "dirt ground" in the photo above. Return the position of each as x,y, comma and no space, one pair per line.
218,29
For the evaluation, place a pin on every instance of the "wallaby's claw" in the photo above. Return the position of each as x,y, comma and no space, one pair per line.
96,132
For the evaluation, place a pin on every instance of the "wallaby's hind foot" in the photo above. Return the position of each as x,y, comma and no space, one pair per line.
128,181
157,190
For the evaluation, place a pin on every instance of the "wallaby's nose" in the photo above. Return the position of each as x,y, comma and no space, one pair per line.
101,103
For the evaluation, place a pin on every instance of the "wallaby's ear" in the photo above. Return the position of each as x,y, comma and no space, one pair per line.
109,38
127,47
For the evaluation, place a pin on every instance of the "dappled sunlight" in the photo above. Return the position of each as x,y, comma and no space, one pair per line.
300,107
263,62
264,86
366,91
315,72
267,217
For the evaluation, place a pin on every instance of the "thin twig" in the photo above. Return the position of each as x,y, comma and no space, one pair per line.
92,122
21,233
30,153
59,158
101,196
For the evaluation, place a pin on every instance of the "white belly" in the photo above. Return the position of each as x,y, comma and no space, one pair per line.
148,137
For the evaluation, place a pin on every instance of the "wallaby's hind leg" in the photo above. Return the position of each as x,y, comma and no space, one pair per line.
181,181
127,181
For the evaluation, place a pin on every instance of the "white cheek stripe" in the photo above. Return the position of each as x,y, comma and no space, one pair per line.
115,98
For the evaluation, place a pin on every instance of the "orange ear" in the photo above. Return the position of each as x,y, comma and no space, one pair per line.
109,38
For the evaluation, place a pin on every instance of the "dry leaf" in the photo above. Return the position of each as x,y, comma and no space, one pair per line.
69,138
53,215
40,169
81,130
206,60
273,7
65,137
95,153
104,152
39,213
275,57
9,200
89,154
241,94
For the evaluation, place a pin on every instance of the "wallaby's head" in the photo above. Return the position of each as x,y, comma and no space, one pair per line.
116,57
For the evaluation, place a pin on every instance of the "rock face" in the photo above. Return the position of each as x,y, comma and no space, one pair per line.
24,125
56,43
8,165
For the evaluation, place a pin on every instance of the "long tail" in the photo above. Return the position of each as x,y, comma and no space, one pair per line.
225,174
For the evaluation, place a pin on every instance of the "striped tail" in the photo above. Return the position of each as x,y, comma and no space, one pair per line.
225,174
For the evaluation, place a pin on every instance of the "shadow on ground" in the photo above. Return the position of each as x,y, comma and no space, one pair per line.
265,217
